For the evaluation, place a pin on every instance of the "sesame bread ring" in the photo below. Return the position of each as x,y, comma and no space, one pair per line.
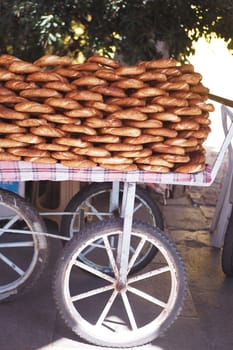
190,168
130,113
47,131
169,72
199,89
11,99
66,155
51,147
59,86
119,167
142,139
161,63
89,67
190,78
28,152
130,70
8,143
79,164
51,60
187,124
63,103
101,139
109,91
22,67
109,108
151,108
94,122
173,86
68,72
44,77
202,120
30,122
175,158
149,123
8,156
165,132
89,80
85,95
26,138
154,160
18,85
9,113
39,93
4,91
119,147
41,160
105,61
33,107
148,92
57,118
129,83
146,152
166,117
5,75
170,101
84,112
81,129
186,110
6,59
121,131
92,151
185,95
164,148
186,68
70,141
154,168
182,142
112,160
152,75
8,128
126,101
208,107
107,74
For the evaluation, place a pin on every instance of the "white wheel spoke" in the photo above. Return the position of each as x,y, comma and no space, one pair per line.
107,308
137,207
93,246
94,271
149,274
93,210
136,254
110,256
129,311
11,222
92,292
147,297
12,265
16,244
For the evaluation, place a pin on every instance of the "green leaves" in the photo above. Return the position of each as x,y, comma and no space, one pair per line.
134,29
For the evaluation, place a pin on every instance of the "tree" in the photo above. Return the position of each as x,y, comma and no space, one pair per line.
133,29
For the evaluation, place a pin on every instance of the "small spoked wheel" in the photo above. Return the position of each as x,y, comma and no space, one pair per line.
23,255
103,310
92,204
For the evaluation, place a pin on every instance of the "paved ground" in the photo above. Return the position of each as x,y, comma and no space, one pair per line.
206,322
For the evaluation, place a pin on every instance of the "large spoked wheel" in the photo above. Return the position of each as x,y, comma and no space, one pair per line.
92,203
23,256
99,308
227,251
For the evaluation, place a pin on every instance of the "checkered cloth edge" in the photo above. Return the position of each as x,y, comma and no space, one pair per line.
29,171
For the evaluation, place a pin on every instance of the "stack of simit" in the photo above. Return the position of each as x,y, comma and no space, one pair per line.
152,116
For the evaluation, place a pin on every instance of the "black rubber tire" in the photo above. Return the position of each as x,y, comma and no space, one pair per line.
227,251
27,219
77,317
90,191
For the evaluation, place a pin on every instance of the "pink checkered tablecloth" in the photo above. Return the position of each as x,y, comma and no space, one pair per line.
29,171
